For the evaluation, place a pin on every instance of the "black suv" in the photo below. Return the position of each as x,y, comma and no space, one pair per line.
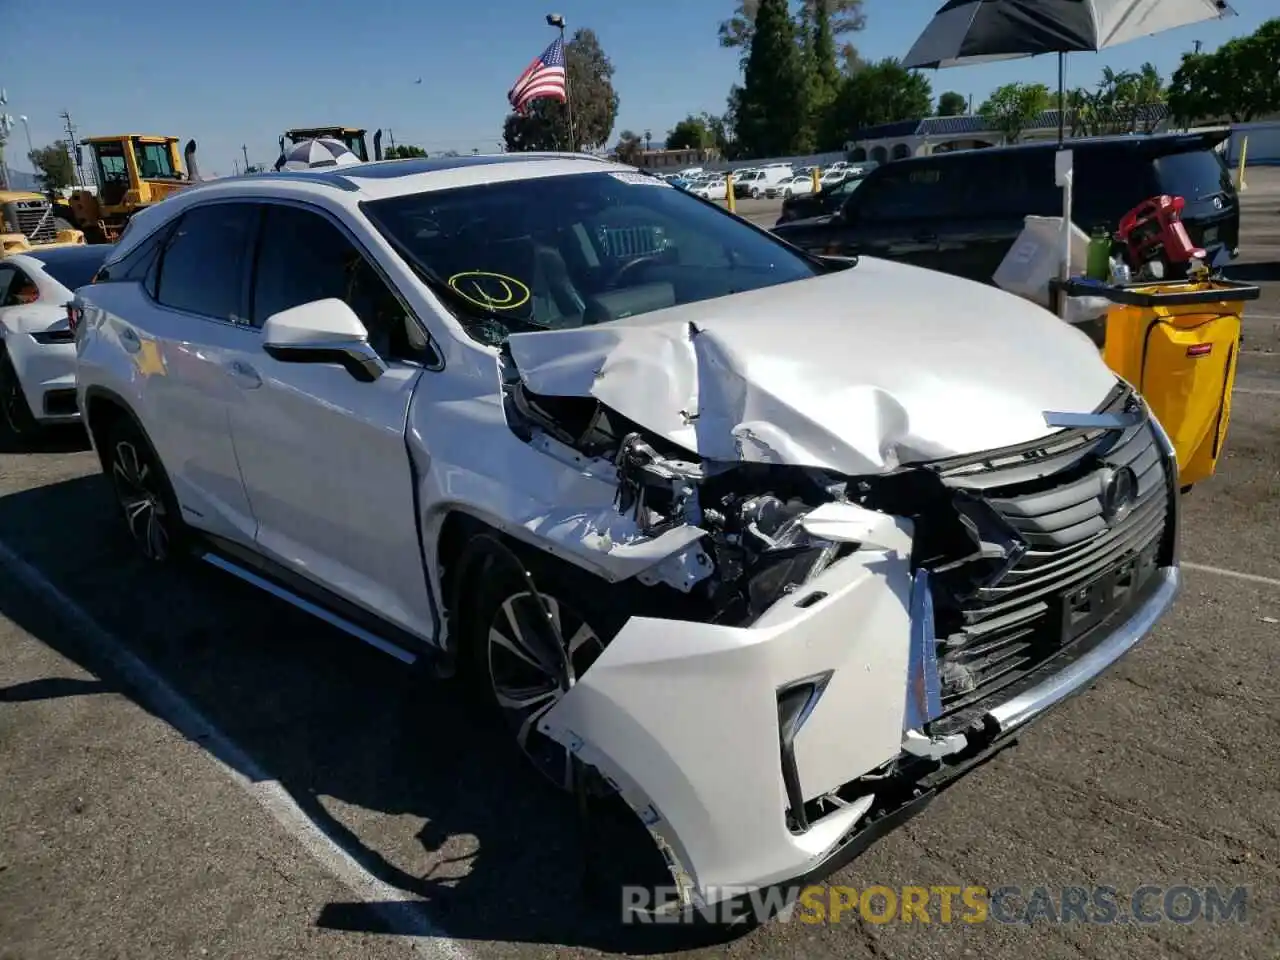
828,200
961,212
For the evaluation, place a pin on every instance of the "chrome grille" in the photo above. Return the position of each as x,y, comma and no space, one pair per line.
627,242
34,219
993,628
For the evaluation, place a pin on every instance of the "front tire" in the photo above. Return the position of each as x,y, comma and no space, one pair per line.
15,412
143,494
510,658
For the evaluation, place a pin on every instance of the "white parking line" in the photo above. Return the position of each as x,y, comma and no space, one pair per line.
401,912
1234,574
1250,315
1257,392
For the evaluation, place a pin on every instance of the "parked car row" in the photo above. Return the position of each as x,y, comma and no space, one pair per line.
769,181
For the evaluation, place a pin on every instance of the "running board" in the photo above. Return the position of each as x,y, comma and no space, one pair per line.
307,606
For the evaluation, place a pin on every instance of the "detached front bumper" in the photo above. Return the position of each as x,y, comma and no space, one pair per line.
696,726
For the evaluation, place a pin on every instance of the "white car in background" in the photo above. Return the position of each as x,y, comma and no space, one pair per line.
711,190
771,545
37,342
793,187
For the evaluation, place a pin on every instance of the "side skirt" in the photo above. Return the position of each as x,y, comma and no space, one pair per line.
310,597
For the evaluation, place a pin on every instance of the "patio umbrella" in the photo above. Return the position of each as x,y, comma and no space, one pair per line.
965,32
320,152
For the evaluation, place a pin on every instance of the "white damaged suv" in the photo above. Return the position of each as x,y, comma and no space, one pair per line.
774,546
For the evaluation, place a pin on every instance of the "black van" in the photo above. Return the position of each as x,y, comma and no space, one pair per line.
961,212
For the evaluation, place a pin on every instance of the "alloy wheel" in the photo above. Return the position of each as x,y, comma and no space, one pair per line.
529,676
137,486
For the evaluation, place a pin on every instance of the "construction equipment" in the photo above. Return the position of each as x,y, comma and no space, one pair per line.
133,172
29,221
353,137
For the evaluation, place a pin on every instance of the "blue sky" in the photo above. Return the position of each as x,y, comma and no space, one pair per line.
233,72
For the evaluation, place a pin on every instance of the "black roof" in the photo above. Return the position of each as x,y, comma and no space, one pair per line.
1148,115
1156,143
87,254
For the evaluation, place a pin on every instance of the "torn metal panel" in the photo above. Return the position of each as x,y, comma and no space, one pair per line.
684,718
842,372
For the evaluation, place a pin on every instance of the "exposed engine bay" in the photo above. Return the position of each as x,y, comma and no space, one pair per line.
760,532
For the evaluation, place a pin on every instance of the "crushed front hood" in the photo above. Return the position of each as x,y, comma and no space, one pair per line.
856,372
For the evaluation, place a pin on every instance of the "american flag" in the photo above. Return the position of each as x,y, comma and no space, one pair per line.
544,78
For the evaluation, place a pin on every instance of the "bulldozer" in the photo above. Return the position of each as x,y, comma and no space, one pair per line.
133,172
30,221
353,137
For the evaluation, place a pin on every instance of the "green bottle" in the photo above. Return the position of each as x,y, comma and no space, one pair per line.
1098,265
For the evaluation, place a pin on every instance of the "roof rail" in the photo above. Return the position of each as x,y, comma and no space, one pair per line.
566,154
325,178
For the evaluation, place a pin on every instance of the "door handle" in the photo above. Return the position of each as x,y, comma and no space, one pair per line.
244,374
129,339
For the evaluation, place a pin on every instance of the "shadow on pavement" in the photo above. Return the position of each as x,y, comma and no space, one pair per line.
52,688
363,744
60,439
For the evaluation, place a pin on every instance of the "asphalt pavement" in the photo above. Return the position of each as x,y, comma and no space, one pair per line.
189,768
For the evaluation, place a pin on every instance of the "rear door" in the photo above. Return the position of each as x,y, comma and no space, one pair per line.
990,196
893,215
178,308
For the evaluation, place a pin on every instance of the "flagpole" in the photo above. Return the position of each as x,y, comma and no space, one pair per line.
556,20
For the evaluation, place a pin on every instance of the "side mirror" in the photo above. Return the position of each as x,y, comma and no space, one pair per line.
323,331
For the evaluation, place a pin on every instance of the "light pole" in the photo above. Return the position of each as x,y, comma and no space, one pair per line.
27,127
557,20
6,124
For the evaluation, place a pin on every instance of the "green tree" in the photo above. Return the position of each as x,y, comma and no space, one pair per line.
629,147
1012,107
591,94
1239,81
877,93
771,112
53,165
691,133
736,32
952,104
403,151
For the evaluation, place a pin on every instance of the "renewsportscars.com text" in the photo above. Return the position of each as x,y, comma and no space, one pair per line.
1007,904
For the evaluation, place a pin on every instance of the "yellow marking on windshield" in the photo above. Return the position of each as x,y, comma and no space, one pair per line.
492,291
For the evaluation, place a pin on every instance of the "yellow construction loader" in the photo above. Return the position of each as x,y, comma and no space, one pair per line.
29,221
133,172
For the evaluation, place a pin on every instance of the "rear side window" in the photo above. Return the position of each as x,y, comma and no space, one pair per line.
1108,183
203,266
1018,184
1196,175
917,191
140,265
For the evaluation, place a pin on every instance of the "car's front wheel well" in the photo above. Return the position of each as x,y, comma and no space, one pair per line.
102,413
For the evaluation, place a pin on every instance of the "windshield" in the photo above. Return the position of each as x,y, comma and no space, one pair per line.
110,161
575,250
154,162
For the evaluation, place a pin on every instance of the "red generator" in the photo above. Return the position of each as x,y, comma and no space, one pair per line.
1153,230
